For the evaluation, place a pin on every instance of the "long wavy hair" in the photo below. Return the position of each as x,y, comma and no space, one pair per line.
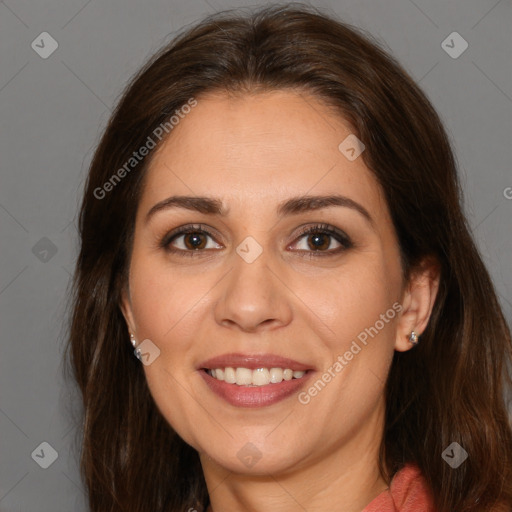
451,387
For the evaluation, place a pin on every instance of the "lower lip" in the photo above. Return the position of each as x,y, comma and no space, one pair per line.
254,396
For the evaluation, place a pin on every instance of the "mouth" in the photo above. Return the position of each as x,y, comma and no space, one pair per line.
254,380
259,377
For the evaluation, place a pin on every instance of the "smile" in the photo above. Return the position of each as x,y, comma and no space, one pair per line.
254,380
257,377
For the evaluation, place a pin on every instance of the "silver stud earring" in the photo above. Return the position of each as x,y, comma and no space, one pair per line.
414,338
134,345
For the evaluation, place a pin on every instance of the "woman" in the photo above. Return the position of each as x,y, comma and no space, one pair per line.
273,220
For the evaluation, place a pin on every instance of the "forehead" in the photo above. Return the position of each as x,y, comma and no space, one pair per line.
257,149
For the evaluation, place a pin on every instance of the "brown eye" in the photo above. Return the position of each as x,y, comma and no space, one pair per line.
322,240
189,240
319,241
194,240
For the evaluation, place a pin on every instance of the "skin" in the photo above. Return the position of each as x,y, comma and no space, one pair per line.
253,152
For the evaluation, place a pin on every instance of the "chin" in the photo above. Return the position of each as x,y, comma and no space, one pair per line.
243,456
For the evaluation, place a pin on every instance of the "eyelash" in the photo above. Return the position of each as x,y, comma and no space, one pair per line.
324,229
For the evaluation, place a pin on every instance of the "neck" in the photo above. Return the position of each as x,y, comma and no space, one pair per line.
344,478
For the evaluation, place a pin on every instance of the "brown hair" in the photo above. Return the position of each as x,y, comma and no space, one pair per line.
449,388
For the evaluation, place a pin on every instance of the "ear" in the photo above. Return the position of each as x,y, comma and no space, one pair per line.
126,308
417,302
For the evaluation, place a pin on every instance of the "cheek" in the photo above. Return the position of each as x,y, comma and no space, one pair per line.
166,302
166,308
357,307
355,298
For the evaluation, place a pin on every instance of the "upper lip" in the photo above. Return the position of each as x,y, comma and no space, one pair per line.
252,362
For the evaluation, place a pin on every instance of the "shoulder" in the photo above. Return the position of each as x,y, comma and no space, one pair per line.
408,492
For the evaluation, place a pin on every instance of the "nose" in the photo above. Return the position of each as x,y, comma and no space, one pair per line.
253,296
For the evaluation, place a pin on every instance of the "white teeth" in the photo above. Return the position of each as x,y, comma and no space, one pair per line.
260,377
276,375
243,376
229,375
257,377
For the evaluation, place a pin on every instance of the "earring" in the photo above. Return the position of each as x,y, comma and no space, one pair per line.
414,338
134,345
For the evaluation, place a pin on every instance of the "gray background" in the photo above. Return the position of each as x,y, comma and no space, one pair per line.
52,113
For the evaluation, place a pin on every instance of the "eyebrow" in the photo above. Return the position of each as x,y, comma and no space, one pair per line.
292,206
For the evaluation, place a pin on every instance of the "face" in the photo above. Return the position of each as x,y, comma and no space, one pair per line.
295,300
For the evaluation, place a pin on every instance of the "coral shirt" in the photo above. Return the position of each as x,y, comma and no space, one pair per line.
408,492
